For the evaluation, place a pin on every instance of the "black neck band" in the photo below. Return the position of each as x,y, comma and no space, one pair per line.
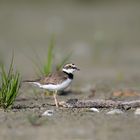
70,75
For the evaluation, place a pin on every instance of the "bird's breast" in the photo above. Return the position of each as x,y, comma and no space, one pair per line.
57,87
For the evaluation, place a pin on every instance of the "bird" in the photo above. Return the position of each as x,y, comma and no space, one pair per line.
56,81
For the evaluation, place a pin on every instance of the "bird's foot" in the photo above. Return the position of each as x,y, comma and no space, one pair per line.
62,104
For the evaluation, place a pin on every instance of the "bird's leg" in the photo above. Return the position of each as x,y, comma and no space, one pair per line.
55,98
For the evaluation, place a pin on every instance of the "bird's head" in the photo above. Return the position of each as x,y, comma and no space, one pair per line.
70,68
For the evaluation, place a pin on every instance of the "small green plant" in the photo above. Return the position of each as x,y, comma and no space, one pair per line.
46,68
9,86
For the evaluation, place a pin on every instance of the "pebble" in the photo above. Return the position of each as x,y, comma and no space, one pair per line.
94,110
137,111
48,113
115,111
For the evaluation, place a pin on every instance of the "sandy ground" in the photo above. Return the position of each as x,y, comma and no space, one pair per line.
24,121
104,39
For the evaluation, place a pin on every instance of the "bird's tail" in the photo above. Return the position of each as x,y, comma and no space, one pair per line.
34,82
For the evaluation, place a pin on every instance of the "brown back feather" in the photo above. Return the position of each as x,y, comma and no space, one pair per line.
54,78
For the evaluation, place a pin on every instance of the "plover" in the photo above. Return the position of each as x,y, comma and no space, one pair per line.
57,81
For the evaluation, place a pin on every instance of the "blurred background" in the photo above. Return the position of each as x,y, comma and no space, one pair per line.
103,36
104,39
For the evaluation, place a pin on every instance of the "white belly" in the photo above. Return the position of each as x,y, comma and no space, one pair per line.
53,87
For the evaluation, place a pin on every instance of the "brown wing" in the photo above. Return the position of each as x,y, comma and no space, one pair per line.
54,78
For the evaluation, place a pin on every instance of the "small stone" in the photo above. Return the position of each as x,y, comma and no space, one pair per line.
62,103
94,109
115,111
137,111
48,113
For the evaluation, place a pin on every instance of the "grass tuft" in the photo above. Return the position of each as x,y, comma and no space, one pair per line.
10,83
46,68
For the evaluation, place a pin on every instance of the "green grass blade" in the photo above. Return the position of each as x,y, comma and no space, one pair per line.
11,67
64,60
3,75
37,63
48,65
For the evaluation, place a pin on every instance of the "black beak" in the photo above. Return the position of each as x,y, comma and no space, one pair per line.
77,68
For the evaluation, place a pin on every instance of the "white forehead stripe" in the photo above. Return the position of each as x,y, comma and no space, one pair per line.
68,70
